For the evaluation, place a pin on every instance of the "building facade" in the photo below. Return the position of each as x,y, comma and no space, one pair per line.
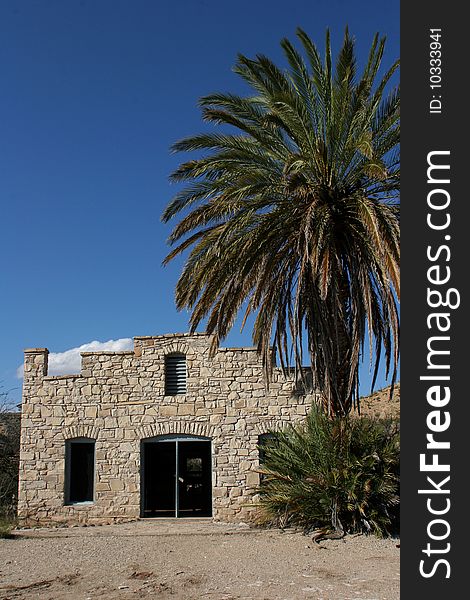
164,430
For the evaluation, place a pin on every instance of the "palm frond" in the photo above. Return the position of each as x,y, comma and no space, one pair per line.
293,215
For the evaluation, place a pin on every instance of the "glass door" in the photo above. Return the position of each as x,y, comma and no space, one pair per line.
194,479
176,477
159,479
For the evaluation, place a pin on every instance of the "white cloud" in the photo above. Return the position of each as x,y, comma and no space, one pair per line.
69,361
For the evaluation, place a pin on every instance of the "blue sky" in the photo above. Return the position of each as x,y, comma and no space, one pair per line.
94,92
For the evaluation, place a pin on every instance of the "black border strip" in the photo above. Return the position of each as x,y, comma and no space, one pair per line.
430,200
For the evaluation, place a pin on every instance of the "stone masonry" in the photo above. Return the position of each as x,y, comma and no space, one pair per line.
119,399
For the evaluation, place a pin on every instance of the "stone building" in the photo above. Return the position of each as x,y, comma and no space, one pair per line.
164,430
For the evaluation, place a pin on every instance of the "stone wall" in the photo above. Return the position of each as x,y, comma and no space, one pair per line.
119,399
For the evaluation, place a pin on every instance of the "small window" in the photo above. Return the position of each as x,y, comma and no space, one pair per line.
79,470
263,440
175,374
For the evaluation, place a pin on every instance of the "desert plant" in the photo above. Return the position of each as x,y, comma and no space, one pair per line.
291,213
339,474
7,524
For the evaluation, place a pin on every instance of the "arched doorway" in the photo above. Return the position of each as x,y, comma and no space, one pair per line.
176,476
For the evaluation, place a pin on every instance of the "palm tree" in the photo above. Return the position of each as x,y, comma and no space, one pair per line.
291,213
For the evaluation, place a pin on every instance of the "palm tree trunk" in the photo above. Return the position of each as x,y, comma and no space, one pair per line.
341,388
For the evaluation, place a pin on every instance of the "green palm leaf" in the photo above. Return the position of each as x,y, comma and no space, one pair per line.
292,213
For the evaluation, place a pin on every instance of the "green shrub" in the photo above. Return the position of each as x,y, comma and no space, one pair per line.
337,474
7,524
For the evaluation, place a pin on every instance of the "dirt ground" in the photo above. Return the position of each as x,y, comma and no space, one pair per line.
193,560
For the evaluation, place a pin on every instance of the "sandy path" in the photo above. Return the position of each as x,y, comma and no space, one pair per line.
194,560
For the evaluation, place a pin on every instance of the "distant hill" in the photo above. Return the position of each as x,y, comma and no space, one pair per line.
380,405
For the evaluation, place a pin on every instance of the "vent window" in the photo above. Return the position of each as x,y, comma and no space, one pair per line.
175,374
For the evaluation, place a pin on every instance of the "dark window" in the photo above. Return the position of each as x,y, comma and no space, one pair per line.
263,440
79,470
175,374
